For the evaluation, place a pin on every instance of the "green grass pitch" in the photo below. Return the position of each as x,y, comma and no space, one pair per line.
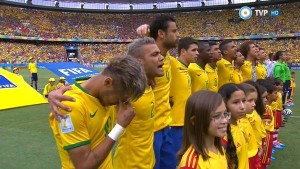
26,140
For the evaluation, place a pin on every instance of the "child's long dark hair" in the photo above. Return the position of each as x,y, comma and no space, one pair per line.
268,84
259,104
232,160
199,106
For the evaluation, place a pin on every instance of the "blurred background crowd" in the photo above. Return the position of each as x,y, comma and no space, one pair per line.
51,24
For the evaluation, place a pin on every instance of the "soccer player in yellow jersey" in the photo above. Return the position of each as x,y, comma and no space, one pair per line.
237,77
205,124
236,147
49,87
196,70
250,51
211,67
261,70
135,146
225,65
32,67
180,92
164,30
83,136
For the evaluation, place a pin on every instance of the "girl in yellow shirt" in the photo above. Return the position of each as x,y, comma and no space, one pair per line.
252,126
205,123
236,145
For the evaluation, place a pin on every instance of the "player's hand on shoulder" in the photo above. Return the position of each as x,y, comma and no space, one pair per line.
56,97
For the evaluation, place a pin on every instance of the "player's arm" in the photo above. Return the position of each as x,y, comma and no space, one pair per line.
56,97
85,158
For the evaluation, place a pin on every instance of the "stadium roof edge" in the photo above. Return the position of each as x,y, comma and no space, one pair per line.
183,9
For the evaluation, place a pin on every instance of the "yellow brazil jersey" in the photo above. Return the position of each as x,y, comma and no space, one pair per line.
249,137
212,75
162,116
225,72
179,92
293,83
199,77
261,71
237,77
135,145
279,101
190,160
48,88
257,126
32,67
269,119
88,123
241,146
246,69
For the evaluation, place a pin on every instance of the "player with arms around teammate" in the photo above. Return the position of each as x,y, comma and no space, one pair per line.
135,146
82,137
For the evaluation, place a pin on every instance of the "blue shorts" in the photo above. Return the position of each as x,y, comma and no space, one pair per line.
176,134
34,77
163,149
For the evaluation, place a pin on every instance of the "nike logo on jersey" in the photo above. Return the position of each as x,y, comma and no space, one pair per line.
93,115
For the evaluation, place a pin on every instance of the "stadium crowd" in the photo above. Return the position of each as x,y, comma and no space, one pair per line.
38,23
21,52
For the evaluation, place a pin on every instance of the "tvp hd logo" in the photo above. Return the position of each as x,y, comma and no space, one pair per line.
246,12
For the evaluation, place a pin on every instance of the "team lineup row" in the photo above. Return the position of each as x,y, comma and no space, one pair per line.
164,109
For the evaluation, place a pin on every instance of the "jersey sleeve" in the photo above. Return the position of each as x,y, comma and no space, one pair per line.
73,129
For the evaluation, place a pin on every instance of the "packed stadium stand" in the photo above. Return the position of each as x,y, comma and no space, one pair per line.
25,22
